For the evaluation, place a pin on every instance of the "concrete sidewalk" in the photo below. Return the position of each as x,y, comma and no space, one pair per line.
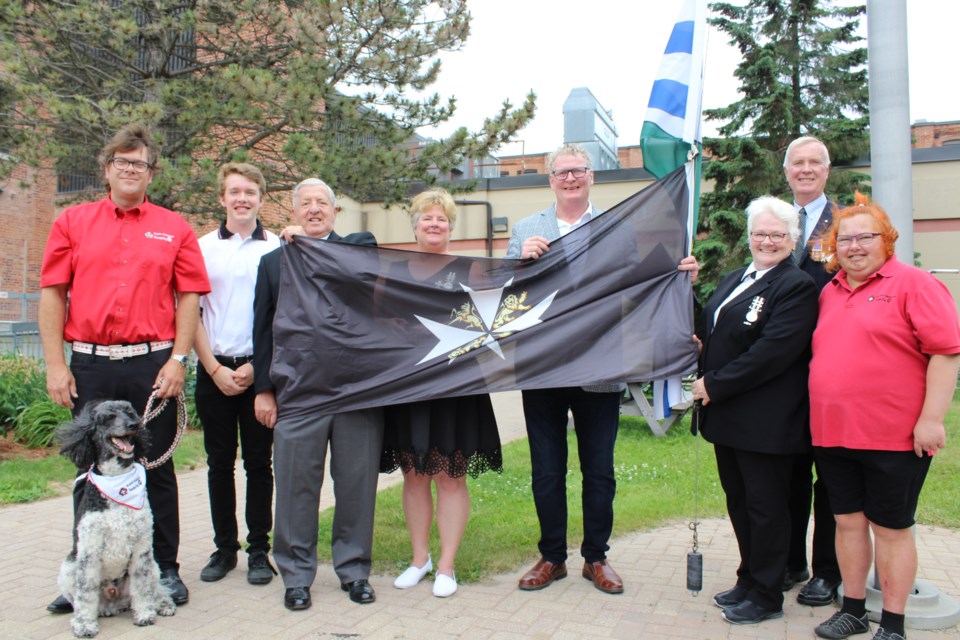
35,537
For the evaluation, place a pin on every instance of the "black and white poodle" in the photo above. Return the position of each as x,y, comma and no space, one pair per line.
111,567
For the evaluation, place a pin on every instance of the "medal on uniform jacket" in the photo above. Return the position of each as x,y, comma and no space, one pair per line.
754,313
816,251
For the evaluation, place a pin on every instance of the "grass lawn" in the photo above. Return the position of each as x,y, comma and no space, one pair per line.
655,484
25,479
659,480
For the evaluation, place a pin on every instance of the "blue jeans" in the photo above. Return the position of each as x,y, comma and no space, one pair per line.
596,417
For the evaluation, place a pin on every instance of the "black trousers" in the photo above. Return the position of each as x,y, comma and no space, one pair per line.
802,489
596,418
757,486
131,379
224,418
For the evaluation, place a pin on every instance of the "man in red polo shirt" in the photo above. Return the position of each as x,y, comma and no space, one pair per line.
134,274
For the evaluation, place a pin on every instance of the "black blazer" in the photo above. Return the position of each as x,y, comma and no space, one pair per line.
755,366
265,306
814,268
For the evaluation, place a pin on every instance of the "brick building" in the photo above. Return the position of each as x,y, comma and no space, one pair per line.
26,212
927,135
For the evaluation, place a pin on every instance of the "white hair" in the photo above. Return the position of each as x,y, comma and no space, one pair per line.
778,209
314,182
802,140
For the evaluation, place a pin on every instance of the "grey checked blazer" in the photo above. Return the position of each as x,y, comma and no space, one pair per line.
544,224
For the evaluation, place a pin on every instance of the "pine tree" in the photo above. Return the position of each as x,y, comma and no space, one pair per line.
327,88
802,73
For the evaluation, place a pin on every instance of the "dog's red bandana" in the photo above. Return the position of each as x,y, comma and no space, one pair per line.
128,489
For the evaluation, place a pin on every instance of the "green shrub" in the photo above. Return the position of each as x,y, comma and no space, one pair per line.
22,381
35,426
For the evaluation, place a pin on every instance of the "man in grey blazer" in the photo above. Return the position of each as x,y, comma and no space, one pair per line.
300,444
596,409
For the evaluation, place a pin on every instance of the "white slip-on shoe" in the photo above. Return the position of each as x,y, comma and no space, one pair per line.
413,575
444,586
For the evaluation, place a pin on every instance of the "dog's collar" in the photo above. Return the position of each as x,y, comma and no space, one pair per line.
128,489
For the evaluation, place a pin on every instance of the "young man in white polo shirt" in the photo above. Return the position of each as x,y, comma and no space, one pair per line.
224,344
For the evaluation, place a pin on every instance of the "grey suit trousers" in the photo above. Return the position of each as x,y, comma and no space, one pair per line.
299,454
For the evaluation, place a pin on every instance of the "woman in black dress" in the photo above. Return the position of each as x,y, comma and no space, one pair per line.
441,440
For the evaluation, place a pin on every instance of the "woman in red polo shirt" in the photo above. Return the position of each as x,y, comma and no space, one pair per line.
884,369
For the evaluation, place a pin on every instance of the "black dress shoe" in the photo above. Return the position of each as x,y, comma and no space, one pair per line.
170,580
749,612
792,578
730,597
297,598
818,592
361,591
60,605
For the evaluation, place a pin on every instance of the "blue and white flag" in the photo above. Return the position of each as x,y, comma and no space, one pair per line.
670,138
671,131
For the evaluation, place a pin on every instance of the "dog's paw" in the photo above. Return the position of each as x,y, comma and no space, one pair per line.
144,620
84,629
109,612
167,607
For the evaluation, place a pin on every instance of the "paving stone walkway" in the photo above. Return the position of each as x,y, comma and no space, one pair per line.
35,537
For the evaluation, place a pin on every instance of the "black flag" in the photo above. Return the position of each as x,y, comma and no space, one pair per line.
359,326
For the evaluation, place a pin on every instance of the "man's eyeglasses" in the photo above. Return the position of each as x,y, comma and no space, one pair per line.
122,164
576,172
864,239
776,237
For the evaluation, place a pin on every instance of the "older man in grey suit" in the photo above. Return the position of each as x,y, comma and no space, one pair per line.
596,409
300,444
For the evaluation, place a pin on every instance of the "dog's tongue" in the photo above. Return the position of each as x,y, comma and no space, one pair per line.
122,445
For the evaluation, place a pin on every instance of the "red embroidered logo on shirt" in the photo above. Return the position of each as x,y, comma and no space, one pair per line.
156,235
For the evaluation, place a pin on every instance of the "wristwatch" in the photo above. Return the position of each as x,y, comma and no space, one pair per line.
181,359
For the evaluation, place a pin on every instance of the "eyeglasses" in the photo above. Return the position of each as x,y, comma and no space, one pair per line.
122,164
775,238
576,172
864,239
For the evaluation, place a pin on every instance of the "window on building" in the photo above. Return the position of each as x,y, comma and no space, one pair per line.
80,171
76,174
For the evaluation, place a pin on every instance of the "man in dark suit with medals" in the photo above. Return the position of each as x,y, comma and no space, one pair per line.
806,166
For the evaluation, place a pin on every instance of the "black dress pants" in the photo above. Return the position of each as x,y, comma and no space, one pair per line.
802,489
757,486
224,418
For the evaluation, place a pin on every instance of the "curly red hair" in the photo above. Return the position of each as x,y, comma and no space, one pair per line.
861,205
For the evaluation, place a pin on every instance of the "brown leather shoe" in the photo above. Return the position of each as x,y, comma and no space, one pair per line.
542,575
603,576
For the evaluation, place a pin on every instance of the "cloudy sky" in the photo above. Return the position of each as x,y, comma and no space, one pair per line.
613,47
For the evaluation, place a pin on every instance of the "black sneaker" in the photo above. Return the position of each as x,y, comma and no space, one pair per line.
842,625
259,569
221,563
